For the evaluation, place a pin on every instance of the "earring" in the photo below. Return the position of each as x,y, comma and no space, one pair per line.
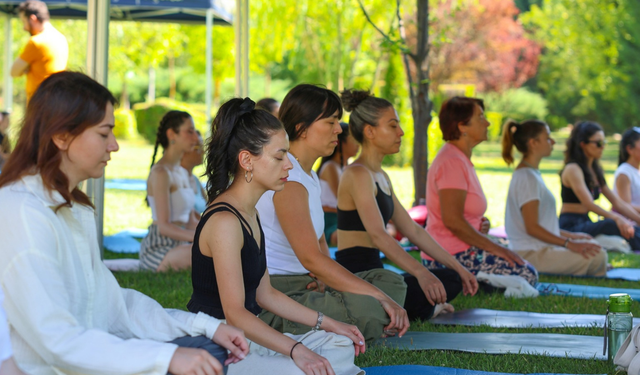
173,141
246,177
464,134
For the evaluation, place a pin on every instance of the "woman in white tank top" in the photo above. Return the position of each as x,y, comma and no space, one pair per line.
329,173
171,197
627,177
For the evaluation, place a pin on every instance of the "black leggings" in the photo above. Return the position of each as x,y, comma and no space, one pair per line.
582,223
358,259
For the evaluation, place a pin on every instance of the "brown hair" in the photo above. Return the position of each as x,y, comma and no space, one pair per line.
365,110
64,103
304,105
454,111
518,134
36,8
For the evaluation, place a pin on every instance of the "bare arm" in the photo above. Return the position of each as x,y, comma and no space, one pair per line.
19,68
453,219
159,185
620,205
292,208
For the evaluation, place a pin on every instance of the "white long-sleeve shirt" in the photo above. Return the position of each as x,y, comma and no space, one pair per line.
66,311
5,342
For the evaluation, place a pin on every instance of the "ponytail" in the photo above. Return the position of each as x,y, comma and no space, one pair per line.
518,135
238,126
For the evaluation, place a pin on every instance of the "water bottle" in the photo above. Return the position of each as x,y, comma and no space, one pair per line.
618,323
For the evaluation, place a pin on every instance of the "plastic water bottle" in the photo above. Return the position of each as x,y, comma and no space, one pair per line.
618,323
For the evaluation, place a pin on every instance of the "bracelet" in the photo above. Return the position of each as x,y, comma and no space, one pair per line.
566,242
319,322
293,347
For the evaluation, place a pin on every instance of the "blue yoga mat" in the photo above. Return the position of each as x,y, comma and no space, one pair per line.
631,274
584,291
121,244
125,184
133,232
428,370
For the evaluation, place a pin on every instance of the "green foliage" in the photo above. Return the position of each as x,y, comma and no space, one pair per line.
148,116
518,104
126,127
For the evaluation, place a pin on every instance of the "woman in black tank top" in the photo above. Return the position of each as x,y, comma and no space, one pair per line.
366,203
582,182
246,156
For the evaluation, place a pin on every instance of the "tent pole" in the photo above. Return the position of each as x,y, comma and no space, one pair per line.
7,92
209,56
245,51
98,12
238,39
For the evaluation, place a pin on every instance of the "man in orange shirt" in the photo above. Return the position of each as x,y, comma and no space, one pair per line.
47,50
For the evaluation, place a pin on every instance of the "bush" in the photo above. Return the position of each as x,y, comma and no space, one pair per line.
519,104
125,124
148,116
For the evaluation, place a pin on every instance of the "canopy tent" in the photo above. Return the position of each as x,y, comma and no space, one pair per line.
96,11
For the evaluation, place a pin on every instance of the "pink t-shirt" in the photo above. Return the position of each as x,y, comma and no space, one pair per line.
451,169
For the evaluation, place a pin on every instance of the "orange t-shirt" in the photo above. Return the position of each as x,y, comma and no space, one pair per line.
46,53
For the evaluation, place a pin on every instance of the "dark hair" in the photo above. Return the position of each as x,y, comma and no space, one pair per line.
304,105
268,104
629,138
36,8
454,111
171,120
519,134
342,137
238,126
64,103
575,154
365,110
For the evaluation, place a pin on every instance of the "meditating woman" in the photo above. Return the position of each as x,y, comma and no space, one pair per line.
366,203
456,202
582,182
247,156
190,160
67,313
531,218
329,173
627,177
171,197
270,105
297,253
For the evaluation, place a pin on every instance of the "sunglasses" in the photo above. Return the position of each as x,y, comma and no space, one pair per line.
599,143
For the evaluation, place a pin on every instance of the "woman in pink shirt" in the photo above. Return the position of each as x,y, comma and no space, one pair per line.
456,202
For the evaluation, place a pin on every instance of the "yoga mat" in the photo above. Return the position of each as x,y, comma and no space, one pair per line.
547,344
133,232
631,274
584,291
125,184
119,243
520,319
429,370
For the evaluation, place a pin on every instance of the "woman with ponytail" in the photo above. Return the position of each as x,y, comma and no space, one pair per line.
297,253
247,156
530,221
366,203
627,177
66,311
583,180
171,197
329,172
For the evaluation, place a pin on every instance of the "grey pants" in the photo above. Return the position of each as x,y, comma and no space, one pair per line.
361,310
201,342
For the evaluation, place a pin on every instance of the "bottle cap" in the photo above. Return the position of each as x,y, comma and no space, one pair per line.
619,303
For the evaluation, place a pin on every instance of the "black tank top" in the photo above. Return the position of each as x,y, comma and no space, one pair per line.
350,220
568,196
206,296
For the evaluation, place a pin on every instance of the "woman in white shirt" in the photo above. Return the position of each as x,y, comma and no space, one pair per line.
329,172
171,197
627,177
293,222
531,220
66,311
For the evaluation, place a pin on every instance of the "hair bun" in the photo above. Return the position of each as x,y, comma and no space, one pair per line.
352,98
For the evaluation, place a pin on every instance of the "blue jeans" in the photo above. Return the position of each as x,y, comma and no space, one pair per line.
582,223
201,342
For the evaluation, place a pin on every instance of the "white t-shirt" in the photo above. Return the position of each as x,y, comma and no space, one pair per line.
634,176
5,340
281,260
527,185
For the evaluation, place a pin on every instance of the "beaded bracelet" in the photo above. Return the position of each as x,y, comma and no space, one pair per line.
293,347
319,322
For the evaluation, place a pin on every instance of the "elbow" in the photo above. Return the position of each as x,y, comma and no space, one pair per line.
453,226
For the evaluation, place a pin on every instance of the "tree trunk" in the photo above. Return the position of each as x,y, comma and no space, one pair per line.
172,77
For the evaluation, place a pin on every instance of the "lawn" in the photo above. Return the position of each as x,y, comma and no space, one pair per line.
124,209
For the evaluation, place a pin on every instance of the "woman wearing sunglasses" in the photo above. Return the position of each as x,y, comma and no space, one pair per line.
627,177
582,183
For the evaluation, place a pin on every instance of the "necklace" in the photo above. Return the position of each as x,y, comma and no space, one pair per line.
530,166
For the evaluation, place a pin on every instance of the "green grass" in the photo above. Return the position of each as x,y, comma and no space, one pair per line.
124,209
